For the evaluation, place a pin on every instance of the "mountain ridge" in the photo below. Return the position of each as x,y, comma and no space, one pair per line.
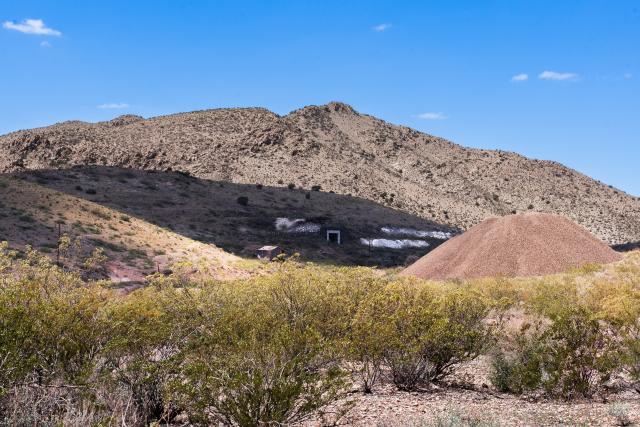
337,149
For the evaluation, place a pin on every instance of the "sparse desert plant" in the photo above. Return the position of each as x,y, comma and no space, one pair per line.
243,200
51,333
368,342
620,412
274,349
451,417
517,365
283,381
100,213
577,353
569,354
620,306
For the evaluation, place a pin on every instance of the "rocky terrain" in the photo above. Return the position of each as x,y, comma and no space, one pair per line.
146,218
334,148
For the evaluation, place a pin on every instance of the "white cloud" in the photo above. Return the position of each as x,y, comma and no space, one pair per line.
554,75
45,44
113,106
520,77
31,26
381,27
432,116
628,76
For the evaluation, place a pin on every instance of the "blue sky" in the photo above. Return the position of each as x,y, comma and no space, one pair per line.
446,68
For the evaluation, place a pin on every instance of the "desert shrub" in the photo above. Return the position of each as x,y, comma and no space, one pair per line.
577,354
367,346
52,331
102,214
263,356
90,191
620,412
250,382
148,328
291,186
243,200
26,218
316,188
517,365
620,306
569,354
426,332
51,325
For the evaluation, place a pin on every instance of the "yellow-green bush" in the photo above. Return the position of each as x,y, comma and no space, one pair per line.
52,326
420,331
581,330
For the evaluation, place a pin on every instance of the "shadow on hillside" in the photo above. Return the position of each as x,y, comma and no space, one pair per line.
239,218
627,247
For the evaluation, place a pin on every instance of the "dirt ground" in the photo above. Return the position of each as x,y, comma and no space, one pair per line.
389,407
470,400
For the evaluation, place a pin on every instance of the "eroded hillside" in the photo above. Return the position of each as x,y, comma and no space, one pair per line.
336,149
160,213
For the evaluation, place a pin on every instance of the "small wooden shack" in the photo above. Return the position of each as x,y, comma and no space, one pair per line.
268,252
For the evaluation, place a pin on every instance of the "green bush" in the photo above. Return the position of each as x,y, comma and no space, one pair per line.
251,382
262,352
517,366
577,353
425,333
572,356
51,325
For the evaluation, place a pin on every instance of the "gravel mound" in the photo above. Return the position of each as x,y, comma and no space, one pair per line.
531,244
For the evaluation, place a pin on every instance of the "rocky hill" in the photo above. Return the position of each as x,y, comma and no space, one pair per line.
171,217
334,148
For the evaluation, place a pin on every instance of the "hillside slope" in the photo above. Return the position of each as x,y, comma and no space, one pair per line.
340,150
31,214
234,218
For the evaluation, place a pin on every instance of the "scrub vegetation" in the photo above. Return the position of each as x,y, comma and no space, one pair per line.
298,344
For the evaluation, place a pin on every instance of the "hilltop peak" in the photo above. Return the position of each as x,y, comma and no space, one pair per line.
125,119
331,107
